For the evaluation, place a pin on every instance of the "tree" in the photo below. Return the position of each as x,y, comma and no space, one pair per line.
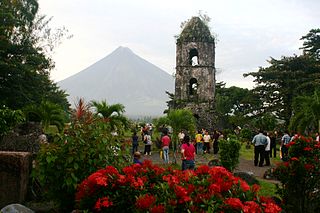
278,84
306,113
113,113
25,64
311,44
179,119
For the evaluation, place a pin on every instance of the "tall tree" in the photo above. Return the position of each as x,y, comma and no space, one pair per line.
24,59
284,79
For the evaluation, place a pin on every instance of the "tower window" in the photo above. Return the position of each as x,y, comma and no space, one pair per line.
193,86
193,57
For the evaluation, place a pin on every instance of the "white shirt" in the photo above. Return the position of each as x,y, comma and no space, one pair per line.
206,138
268,144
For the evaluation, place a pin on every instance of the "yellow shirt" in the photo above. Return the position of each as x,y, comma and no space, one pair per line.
198,138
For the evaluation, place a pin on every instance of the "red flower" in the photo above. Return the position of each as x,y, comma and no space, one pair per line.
103,202
307,149
145,202
294,159
251,207
234,203
255,187
271,207
158,209
244,186
309,166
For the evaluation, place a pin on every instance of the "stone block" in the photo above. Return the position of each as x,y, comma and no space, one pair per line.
14,176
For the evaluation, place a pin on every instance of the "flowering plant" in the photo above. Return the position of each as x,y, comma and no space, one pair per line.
149,188
300,176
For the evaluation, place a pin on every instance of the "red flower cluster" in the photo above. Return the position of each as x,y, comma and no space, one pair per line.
154,189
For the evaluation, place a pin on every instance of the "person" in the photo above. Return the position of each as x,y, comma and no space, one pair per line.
216,136
199,143
136,158
165,142
135,143
317,137
273,144
181,136
147,143
206,142
267,150
259,141
284,149
188,153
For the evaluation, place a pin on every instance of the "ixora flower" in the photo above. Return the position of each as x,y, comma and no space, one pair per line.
149,188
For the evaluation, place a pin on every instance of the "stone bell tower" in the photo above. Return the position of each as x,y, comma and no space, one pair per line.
195,72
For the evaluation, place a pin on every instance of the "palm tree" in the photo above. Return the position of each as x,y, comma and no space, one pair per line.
306,113
47,113
111,113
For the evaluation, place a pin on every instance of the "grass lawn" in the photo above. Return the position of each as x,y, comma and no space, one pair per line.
268,188
248,154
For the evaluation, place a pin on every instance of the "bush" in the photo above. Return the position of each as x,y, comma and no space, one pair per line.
230,153
85,147
300,176
149,188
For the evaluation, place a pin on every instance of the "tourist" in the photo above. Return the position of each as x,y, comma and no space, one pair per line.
259,141
181,137
147,143
267,150
206,142
284,149
188,154
317,137
165,142
136,158
216,136
199,143
273,144
135,142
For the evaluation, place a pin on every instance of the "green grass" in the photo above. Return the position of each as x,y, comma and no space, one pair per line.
267,188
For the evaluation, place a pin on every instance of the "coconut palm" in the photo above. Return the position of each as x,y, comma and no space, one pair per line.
306,113
112,113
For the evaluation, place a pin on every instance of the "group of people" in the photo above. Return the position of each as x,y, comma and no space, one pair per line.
203,141
265,146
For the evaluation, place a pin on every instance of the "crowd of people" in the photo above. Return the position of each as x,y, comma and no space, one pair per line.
265,146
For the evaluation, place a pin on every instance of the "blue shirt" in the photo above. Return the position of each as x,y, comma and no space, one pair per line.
259,139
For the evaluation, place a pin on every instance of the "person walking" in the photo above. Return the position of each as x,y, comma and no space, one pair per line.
165,142
259,141
188,153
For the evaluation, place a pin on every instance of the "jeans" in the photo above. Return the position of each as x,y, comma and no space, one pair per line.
166,154
188,164
199,148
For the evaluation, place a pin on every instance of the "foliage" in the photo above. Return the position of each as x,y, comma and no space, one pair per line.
300,176
24,60
180,119
47,113
9,119
246,134
150,188
86,146
306,113
230,152
279,83
113,113
266,121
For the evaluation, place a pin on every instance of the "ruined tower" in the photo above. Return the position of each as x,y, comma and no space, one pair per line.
195,71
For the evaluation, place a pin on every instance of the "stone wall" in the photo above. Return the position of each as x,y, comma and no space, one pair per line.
14,176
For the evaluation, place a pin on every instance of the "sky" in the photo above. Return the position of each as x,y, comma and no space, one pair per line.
248,32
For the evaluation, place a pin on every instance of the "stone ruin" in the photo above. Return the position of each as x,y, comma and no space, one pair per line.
195,72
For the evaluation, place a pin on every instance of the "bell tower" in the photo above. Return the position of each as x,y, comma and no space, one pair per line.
195,71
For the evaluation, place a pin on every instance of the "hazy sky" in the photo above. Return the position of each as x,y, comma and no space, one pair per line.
248,32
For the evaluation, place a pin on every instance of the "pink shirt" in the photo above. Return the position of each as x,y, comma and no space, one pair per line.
189,151
165,140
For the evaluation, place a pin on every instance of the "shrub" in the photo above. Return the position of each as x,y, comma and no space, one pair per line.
230,153
85,147
300,176
9,119
149,188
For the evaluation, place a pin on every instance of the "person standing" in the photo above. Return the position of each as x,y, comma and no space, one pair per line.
273,145
135,143
206,142
317,137
259,141
165,142
188,153
284,149
216,136
267,150
147,141
199,143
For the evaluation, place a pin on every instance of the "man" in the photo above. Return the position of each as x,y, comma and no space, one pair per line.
259,141
284,149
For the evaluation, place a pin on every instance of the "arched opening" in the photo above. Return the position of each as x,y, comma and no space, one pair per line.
193,86
193,57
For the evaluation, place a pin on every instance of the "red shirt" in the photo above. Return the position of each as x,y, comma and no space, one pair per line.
189,151
165,140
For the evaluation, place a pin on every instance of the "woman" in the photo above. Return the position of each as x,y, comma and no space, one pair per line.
188,153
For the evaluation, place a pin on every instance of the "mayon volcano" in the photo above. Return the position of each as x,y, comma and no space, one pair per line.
122,77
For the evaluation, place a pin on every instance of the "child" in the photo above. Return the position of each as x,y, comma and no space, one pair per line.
136,158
